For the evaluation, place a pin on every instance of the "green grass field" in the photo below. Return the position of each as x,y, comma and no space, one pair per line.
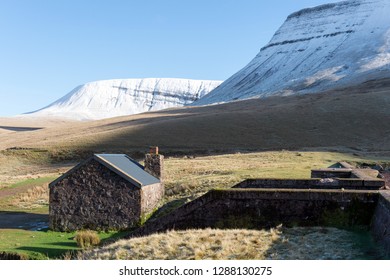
44,244
32,182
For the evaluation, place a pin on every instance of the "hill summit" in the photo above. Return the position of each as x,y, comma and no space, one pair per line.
316,49
112,98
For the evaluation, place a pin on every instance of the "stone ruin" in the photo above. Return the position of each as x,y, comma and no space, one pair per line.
340,196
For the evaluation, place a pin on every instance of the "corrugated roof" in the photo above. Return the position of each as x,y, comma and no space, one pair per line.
127,168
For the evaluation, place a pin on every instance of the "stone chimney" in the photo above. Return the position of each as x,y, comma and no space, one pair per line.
154,163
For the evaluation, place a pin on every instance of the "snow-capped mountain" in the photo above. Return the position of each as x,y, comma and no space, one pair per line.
316,49
111,98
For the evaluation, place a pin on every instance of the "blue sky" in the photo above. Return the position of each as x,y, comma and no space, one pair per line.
49,47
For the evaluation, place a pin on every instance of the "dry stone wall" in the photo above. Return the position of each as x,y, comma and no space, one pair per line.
250,208
314,183
380,225
93,197
331,173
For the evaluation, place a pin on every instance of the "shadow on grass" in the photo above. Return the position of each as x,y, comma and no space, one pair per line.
22,220
19,128
59,250
72,245
168,207
301,243
115,237
43,253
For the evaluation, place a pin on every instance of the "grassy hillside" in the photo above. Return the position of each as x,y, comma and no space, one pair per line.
355,118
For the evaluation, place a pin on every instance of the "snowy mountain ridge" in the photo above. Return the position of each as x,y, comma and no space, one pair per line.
112,98
316,49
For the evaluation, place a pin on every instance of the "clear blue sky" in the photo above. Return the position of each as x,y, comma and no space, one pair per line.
48,47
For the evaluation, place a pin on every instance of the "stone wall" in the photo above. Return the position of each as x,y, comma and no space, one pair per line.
366,174
380,225
287,183
329,183
261,208
331,173
150,197
92,196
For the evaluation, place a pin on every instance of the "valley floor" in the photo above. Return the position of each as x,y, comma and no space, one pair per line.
24,191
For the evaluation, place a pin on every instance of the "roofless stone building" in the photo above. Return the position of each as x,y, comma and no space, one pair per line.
106,192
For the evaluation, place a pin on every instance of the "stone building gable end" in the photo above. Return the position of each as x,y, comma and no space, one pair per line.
92,195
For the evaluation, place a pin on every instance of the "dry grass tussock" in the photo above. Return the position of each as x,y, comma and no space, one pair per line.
189,245
317,243
87,239
280,243
35,197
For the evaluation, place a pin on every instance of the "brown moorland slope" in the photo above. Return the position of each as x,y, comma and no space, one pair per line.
355,118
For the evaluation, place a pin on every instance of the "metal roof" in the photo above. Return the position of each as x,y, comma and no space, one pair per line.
127,168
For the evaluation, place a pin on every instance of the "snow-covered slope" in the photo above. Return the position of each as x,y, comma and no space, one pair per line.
111,98
316,49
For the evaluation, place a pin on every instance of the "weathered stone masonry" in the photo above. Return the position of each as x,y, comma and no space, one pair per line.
150,197
106,192
259,208
380,225
93,197
154,165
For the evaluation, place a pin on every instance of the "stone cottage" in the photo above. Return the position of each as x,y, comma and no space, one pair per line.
107,191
